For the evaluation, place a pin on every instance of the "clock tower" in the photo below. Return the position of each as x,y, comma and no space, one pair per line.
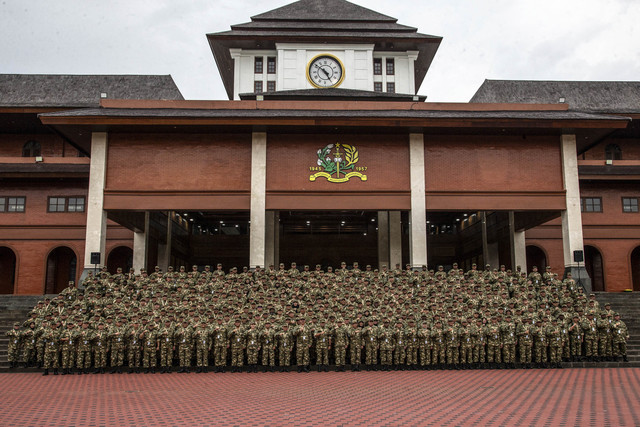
329,45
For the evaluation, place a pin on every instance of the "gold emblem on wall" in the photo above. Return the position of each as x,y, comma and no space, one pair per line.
338,166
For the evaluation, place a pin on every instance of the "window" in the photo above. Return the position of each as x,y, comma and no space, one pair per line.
258,65
257,87
31,149
12,204
591,204
377,86
613,152
391,66
57,204
76,204
271,65
377,66
629,204
66,204
271,86
391,87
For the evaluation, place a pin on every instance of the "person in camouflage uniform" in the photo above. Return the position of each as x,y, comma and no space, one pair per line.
355,346
411,339
28,337
554,335
387,339
184,339
479,339
620,337
400,343
268,344
304,340
40,342
590,338
83,355
252,345
68,348
424,345
575,339
202,337
494,344
13,350
525,333
150,346
220,336
604,338
285,346
238,342
508,338
452,342
100,347
134,347
51,337
166,336
340,341
322,338
371,345
541,344
439,346
466,344
117,345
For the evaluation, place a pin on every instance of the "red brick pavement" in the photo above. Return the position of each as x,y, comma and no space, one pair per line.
570,397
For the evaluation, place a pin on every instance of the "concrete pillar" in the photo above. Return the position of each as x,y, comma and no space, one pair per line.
395,239
517,245
96,231
164,250
572,217
383,239
140,245
418,215
270,239
258,199
493,255
485,240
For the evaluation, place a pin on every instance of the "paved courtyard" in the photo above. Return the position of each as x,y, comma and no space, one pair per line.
598,397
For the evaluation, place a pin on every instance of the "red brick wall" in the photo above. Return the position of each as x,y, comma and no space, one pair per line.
490,163
165,162
289,158
630,149
51,145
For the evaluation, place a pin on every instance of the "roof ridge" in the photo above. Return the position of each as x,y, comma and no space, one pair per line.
323,10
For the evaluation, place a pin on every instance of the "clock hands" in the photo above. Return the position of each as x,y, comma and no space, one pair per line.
325,73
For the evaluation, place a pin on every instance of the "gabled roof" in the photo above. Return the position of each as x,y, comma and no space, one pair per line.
587,96
322,21
324,10
56,90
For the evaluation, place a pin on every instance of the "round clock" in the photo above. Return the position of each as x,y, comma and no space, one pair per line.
325,71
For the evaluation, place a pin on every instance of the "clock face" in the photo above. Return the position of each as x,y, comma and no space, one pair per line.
325,71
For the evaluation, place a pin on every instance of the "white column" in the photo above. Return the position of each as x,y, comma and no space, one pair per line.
395,240
164,250
418,215
519,244
572,217
383,239
96,232
258,199
270,239
236,55
140,245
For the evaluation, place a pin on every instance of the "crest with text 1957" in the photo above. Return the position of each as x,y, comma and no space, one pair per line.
338,166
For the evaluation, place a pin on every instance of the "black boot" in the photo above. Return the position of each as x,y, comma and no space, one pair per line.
55,371
64,371
46,372
624,358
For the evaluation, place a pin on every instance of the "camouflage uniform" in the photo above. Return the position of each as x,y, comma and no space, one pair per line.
340,343
117,345
83,355
425,346
303,343
184,339
575,339
237,337
590,330
167,346
150,347
323,344
134,347
220,345
493,342
13,350
51,339
68,353
387,344
620,336
508,339
371,344
439,346
202,338
452,340
268,344
355,346
100,348
252,346
525,341
285,346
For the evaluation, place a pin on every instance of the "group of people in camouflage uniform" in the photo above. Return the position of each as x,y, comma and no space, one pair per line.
273,318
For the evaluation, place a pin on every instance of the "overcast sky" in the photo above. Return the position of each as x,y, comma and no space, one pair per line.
483,39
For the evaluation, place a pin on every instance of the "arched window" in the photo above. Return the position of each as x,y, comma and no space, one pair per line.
31,149
613,152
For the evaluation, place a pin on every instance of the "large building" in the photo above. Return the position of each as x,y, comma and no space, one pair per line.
323,153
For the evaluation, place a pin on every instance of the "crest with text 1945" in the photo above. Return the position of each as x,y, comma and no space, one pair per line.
338,166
